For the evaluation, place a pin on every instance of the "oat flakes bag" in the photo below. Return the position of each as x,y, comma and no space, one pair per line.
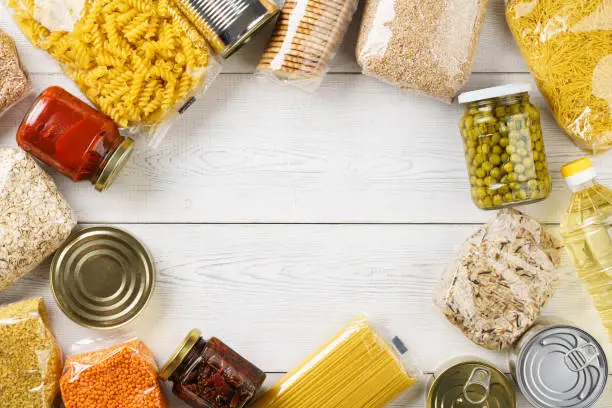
423,45
501,279
34,217
30,357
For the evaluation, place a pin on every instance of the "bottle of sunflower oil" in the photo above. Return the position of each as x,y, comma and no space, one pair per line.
587,232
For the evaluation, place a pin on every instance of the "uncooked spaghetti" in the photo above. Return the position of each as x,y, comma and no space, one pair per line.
568,47
355,369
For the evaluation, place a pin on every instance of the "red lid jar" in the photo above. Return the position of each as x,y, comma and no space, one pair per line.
74,138
209,374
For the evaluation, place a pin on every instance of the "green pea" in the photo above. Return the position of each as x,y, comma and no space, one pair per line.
500,111
485,148
505,157
480,173
480,182
495,139
487,166
521,194
511,177
471,144
495,173
497,200
469,122
495,159
504,189
532,184
497,150
508,197
535,155
515,186
471,153
481,193
488,201
473,180
511,149
488,181
503,142
508,167
539,166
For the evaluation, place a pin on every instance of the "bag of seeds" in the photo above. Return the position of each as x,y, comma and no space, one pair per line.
423,45
121,375
501,280
30,357
306,38
568,47
34,217
14,81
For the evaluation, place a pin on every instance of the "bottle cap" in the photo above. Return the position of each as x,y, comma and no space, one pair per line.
114,165
578,172
179,354
495,92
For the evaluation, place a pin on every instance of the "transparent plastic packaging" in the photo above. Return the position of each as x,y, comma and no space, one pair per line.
422,45
568,47
501,279
307,36
141,63
30,357
356,368
34,217
14,80
106,376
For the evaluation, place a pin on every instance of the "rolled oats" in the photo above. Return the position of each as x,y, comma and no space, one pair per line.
34,217
501,280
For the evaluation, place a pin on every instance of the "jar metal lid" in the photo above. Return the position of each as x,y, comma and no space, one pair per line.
562,366
115,164
495,92
102,277
179,354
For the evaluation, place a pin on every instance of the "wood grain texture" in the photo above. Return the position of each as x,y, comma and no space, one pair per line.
358,151
495,36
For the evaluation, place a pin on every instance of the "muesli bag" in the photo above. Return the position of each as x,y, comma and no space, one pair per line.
111,373
140,62
307,36
14,81
30,357
568,47
501,279
34,217
422,45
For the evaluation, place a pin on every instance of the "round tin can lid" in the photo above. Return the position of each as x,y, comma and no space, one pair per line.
102,277
562,366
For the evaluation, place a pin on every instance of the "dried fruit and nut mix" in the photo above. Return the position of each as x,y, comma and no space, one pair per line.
30,358
123,375
34,217
501,280
423,45
306,38
14,81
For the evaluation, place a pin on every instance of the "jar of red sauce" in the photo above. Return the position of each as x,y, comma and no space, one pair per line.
74,138
209,374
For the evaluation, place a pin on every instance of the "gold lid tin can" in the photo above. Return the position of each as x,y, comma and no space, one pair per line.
102,277
228,24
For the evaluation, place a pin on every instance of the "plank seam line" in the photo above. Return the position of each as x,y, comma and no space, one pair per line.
329,73
548,224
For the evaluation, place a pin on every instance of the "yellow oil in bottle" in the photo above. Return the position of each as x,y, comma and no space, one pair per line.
587,232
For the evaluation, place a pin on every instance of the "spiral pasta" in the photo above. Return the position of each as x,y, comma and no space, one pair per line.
135,59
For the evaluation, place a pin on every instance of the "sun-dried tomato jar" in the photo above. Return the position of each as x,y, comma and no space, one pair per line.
74,138
209,374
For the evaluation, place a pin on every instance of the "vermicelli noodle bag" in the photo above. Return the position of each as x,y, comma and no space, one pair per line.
356,368
422,45
140,61
568,47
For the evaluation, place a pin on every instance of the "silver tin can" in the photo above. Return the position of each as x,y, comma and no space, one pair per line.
559,365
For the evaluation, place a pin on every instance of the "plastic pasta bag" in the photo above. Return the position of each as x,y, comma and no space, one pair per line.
356,368
14,81
501,280
306,38
34,217
123,374
30,358
139,61
423,45
568,47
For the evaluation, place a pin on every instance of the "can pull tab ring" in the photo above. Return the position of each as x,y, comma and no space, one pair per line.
478,383
581,357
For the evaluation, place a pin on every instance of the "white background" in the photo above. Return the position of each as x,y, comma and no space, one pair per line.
275,216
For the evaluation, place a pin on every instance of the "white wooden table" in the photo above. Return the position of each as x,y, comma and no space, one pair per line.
275,217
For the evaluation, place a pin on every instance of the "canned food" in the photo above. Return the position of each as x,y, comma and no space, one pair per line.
102,277
228,24
559,365
504,147
470,383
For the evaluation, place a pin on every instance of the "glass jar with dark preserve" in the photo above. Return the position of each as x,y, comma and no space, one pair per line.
75,139
209,374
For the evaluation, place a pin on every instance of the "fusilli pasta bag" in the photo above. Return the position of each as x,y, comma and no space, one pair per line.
139,61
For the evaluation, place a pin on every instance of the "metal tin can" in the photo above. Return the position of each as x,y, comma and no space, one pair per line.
102,277
228,24
559,365
470,383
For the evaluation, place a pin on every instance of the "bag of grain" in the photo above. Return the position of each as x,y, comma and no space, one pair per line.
14,81
34,217
423,45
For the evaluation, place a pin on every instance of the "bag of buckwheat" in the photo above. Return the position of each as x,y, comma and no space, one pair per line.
423,45
501,279
34,217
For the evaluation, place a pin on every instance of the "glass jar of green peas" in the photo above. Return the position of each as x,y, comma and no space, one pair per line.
504,148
